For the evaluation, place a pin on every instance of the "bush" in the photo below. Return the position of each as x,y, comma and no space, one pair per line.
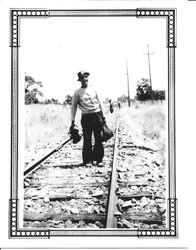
158,94
143,90
32,92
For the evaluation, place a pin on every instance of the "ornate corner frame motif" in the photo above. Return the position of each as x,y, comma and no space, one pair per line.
169,15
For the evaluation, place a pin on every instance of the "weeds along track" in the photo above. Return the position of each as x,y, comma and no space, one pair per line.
58,193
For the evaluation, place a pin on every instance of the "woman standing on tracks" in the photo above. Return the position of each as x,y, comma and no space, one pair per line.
92,119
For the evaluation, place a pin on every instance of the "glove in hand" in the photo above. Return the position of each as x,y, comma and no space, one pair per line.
72,126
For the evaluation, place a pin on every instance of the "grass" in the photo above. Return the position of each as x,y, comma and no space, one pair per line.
51,122
154,121
150,118
48,122
153,126
45,122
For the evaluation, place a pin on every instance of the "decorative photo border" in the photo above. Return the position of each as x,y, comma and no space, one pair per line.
169,15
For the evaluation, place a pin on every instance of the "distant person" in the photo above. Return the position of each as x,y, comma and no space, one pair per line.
93,116
111,106
119,104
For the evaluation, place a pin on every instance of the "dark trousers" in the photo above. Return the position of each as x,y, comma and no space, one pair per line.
91,124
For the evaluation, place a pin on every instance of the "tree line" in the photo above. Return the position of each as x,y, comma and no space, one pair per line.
34,94
144,91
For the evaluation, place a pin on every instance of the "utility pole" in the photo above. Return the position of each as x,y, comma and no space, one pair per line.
128,85
149,68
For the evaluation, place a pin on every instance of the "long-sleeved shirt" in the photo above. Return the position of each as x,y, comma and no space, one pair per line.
88,101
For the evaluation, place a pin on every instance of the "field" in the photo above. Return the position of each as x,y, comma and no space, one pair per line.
48,125
140,158
151,120
45,122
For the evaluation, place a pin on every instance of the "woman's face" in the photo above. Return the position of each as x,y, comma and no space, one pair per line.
84,80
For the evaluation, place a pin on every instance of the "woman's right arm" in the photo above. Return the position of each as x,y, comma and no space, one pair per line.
74,107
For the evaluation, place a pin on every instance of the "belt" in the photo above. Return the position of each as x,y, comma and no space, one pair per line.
91,114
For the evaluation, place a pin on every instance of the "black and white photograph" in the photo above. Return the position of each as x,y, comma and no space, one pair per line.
93,108
97,124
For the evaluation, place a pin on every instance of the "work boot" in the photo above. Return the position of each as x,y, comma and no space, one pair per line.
100,164
88,165
94,163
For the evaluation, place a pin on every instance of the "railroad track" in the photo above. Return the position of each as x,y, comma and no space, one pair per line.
61,194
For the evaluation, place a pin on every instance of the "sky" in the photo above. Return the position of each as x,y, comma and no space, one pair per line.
53,50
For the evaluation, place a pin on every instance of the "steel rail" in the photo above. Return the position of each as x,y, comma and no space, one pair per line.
111,220
32,167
